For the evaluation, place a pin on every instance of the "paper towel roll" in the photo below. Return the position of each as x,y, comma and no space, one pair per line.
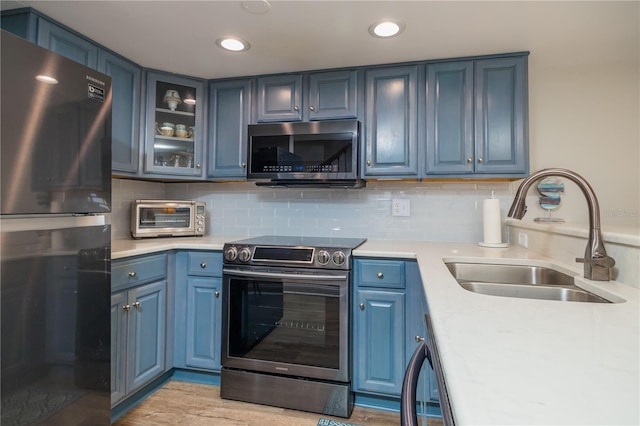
491,223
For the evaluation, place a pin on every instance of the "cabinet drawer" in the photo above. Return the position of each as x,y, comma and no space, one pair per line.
380,273
208,264
136,271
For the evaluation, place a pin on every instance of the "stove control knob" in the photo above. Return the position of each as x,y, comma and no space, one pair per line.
322,257
339,258
231,254
245,254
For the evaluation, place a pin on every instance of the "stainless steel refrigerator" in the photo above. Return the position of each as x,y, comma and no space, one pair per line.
55,189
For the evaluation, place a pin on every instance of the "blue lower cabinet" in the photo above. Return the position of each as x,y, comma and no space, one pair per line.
417,330
119,316
146,338
388,323
138,338
379,348
138,323
198,310
204,316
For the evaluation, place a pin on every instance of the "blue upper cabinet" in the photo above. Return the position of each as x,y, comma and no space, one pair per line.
332,94
279,98
501,126
20,22
67,44
32,26
174,127
125,133
313,96
391,122
465,118
476,118
125,79
449,118
229,115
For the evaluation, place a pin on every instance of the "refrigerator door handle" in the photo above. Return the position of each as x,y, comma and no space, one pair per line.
19,224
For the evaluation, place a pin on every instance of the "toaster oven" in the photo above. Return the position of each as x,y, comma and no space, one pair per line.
167,218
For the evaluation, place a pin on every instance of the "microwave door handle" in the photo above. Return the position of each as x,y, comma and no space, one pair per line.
278,275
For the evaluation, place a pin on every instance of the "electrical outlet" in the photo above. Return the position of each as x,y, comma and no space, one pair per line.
523,239
401,207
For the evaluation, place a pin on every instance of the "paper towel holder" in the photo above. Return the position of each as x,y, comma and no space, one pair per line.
492,223
493,245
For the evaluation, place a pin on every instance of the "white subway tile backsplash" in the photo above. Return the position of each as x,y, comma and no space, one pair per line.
439,211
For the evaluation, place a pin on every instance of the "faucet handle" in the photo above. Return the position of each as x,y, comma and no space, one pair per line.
606,261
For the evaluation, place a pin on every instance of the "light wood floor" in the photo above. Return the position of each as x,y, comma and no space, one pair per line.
191,404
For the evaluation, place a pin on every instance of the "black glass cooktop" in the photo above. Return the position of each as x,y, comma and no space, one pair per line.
293,241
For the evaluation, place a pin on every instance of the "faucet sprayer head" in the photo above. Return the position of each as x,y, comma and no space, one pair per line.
518,209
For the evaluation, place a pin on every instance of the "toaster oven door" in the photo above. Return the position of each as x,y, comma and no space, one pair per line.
157,220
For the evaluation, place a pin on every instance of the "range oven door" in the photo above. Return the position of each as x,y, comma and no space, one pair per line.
286,321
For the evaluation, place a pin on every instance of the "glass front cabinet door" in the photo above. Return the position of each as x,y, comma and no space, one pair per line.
174,126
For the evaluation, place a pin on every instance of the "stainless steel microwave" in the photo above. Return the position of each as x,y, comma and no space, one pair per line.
167,218
304,153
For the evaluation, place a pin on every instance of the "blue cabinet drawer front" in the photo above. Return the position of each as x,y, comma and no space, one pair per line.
208,264
136,271
380,273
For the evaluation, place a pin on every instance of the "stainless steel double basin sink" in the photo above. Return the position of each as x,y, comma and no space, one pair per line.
520,281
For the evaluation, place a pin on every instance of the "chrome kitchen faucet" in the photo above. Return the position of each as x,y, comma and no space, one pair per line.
597,265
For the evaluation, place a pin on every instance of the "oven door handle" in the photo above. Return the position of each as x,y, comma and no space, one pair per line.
279,275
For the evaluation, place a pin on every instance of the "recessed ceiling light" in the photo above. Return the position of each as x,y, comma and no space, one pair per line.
46,79
256,6
386,28
233,44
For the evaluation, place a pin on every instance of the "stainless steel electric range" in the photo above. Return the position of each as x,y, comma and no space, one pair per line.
286,322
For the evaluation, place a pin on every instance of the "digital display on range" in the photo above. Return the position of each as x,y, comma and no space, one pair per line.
283,254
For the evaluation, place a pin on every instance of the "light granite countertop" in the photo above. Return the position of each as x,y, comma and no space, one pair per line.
122,248
521,361
506,360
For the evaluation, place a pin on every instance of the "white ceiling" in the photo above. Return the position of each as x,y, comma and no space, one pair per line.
179,36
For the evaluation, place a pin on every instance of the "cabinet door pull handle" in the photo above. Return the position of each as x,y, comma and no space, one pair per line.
136,305
126,308
312,108
480,160
198,166
368,162
132,274
295,108
419,339
469,159
217,294
380,275
362,306
203,265
244,165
